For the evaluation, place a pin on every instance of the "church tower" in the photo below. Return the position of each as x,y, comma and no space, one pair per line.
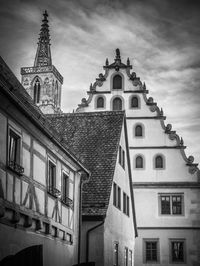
43,81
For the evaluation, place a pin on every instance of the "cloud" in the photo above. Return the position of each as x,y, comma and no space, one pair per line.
161,40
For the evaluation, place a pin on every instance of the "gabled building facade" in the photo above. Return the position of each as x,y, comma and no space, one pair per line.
108,213
166,183
40,184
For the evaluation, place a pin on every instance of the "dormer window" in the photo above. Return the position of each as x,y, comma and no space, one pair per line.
36,94
117,82
117,104
100,102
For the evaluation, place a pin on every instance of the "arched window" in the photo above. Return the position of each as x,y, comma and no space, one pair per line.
56,93
159,161
117,82
117,104
138,131
100,102
134,102
139,162
36,94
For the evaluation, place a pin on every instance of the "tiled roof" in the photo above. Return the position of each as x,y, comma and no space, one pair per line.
94,137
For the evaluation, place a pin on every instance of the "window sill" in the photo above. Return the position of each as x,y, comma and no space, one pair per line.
53,192
16,168
68,202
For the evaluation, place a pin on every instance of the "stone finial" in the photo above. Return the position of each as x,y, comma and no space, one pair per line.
144,86
118,54
161,111
181,141
107,62
91,88
128,61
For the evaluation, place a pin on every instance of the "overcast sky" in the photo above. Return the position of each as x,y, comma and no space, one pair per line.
161,38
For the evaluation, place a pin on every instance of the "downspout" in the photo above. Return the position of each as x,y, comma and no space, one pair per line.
88,238
82,181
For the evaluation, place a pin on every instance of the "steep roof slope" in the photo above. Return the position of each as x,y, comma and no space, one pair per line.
94,138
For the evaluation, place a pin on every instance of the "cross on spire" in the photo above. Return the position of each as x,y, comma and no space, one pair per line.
43,54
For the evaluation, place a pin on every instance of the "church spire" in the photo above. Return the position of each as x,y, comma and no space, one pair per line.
43,54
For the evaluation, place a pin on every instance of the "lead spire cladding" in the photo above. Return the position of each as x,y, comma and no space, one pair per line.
43,54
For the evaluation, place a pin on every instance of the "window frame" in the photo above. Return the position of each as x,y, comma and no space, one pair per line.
116,196
142,128
171,195
116,254
181,240
122,157
131,102
36,90
136,157
163,161
100,97
51,186
126,204
130,257
113,100
121,82
15,164
151,240
126,256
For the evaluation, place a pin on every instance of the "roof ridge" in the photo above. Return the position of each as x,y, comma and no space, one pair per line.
97,113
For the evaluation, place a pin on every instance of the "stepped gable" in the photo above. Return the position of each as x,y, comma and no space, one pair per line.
139,87
10,85
94,137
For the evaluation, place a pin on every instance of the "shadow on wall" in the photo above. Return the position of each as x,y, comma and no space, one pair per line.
30,256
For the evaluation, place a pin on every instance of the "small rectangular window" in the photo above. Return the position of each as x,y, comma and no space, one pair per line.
119,198
65,188
127,199
52,179
123,158
124,202
114,194
130,258
151,250
120,155
116,254
125,256
177,250
14,152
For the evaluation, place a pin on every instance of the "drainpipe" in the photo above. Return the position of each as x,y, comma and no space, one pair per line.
88,238
83,180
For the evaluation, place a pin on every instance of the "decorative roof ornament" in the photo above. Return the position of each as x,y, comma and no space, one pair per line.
128,62
144,86
43,54
118,57
181,141
161,111
118,64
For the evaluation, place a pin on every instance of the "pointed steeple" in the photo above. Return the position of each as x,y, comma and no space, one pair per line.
43,54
